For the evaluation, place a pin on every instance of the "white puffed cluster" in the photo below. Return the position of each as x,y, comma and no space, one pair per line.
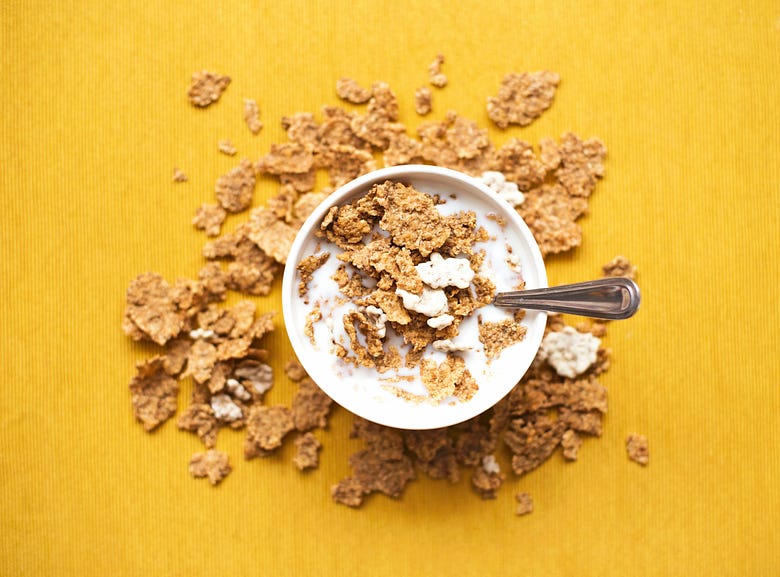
504,188
450,346
569,351
225,409
431,302
378,318
440,272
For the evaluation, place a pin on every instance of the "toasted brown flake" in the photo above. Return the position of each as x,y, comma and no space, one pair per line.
209,218
450,378
272,235
295,371
487,483
619,266
349,492
179,175
225,146
212,464
266,428
423,100
199,418
456,143
549,155
310,406
176,351
637,449
474,441
391,305
518,163
496,336
402,149
435,75
201,360
549,214
206,88
387,443
307,452
571,443
234,190
252,116
349,90
347,163
257,377
154,393
375,473
522,98
581,166
306,268
214,282
378,125
305,205
532,439
152,310
313,316
287,158
525,504
301,128
252,270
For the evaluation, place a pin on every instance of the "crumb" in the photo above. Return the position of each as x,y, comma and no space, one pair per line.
234,190
496,336
226,147
487,480
349,90
209,218
525,504
315,315
206,88
252,116
619,266
349,492
435,75
637,448
179,175
295,371
307,452
423,99
522,98
306,268
154,393
571,443
212,464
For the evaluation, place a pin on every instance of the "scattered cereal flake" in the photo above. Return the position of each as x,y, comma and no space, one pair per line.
176,351
435,75
549,214
549,155
390,305
310,406
387,443
301,128
154,393
198,418
487,481
305,205
258,376
522,98
209,218
225,146
313,316
532,439
517,161
569,351
266,428
377,474
402,149
349,90
272,235
214,282
234,190
378,125
457,143
346,163
349,491
571,443
475,441
619,266
637,448
581,165
206,88
423,100
525,504
201,360
295,371
252,116
212,464
225,409
151,309
307,452
496,336
287,158
179,175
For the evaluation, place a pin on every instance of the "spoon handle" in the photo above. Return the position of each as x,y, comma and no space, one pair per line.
607,298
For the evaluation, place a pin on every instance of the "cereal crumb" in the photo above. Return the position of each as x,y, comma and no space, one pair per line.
226,147
306,268
637,448
619,266
349,491
423,100
307,452
522,98
496,336
349,90
179,175
571,443
154,393
234,190
435,75
209,218
212,464
252,116
487,480
206,88
525,504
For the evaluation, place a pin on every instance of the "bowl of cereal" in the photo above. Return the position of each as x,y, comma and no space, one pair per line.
388,296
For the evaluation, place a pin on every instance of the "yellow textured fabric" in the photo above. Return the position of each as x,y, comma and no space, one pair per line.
94,118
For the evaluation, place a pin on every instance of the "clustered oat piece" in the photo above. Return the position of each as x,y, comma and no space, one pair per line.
637,449
219,347
252,116
212,464
522,98
619,266
435,75
496,336
179,175
206,88
423,100
226,147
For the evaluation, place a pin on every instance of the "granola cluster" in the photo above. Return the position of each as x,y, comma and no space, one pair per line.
219,348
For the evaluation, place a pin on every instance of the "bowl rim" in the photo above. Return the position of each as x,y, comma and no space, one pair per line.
290,291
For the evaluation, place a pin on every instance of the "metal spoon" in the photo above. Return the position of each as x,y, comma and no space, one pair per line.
607,298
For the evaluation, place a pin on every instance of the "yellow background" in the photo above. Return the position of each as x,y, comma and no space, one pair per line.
94,118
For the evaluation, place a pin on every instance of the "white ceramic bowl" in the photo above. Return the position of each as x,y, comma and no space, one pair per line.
365,395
